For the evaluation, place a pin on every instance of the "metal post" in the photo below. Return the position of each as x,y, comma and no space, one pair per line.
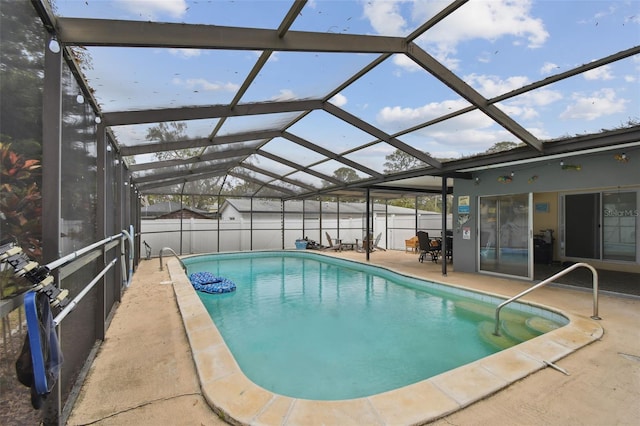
218,221
181,213
320,219
368,227
303,217
386,223
443,247
415,209
101,227
282,222
338,216
51,190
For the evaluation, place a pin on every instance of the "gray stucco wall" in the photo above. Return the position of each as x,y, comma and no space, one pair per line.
598,172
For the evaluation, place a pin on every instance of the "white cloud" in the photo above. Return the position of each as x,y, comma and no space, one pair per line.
485,57
185,53
491,86
523,112
548,68
601,103
488,20
522,106
203,84
612,9
406,63
600,73
339,100
453,143
540,97
284,95
406,117
630,78
152,9
385,17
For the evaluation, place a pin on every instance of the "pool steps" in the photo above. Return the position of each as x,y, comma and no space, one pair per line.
541,325
516,328
485,329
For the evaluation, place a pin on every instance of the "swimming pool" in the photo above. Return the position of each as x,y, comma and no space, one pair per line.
314,327
239,400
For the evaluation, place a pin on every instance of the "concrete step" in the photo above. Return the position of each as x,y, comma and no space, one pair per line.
541,325
486,311
517,331
486,329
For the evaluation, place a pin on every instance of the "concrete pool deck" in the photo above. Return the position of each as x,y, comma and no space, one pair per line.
150,370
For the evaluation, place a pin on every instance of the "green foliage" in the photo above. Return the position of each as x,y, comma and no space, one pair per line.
345,174
501,146
21,84
400,161
432,203
21,210
174,132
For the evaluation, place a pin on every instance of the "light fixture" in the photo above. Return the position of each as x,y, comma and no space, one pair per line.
622,158
54,46
108,148
80,98
477,181
561,163
512,174
98,120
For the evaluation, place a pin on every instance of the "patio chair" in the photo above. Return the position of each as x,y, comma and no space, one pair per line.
377,242
423,245
411,244
147,248
337,246
429,246
435,249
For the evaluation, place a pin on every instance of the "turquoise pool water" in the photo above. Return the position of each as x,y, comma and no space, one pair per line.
315,327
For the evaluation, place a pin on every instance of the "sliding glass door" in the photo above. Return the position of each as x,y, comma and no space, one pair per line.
600,226
505,229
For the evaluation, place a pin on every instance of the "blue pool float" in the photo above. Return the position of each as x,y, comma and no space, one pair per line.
209,283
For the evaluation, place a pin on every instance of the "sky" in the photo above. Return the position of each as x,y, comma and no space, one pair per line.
495,46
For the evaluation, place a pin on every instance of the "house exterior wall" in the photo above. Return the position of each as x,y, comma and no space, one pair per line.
547,180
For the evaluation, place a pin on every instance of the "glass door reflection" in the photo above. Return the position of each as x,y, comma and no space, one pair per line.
504,235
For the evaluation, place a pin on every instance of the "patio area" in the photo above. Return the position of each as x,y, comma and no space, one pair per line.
145,374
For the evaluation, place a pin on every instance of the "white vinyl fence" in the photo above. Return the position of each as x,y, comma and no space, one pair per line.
195,236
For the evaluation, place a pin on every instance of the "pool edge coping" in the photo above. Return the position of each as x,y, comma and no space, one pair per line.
238,400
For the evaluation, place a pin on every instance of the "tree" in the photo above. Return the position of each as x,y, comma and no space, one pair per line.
174,132
400,161
501,146
345,174
171,132
21,82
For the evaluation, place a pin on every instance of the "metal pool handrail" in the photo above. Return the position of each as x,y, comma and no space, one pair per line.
172,252
547,281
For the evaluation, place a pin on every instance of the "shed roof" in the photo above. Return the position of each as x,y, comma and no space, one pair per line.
244,205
